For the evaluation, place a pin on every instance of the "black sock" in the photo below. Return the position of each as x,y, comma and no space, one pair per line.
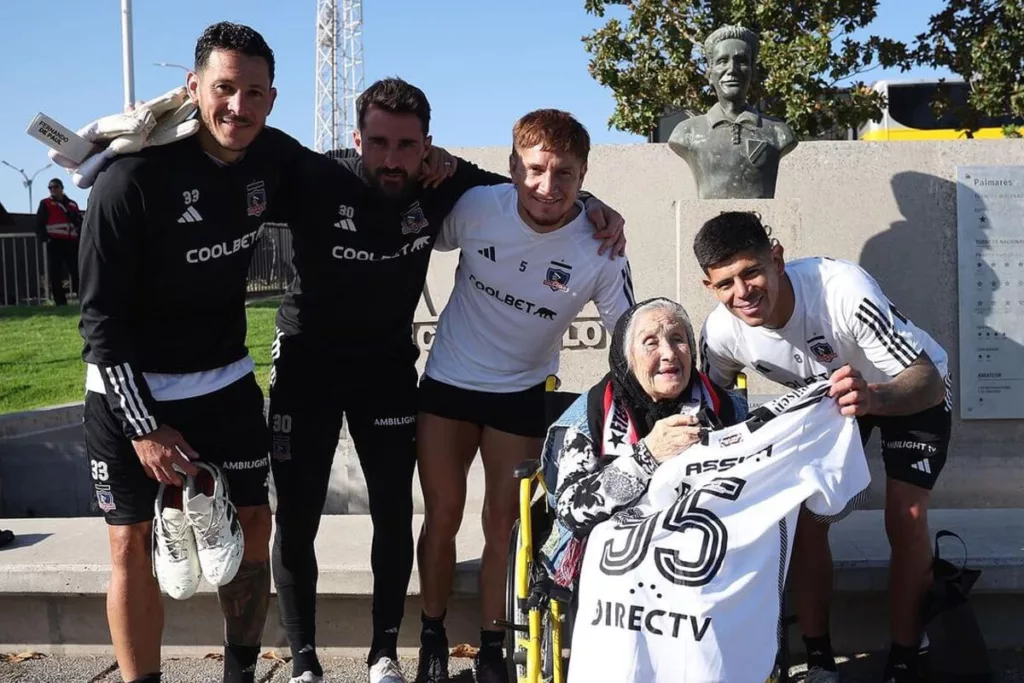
902,663
492,643
148,678
433,632
384,644
240,663
819,653
304,659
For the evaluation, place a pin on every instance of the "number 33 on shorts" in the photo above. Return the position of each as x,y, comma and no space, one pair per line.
99,470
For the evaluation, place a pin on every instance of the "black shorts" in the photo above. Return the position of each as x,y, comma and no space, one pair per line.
520,412
226,428
914,446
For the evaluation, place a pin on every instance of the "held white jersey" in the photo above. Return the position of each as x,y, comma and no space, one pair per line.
687,586
841,316
516,292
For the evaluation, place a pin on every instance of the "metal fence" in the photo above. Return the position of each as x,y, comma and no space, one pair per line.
270,271
24,270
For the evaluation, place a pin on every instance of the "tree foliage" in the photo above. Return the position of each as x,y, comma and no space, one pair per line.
654,64
982,41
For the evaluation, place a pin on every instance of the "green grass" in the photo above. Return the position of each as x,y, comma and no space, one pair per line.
41,353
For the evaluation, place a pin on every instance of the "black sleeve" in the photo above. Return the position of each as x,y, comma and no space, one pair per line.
467,176
41,222
108,261
304,170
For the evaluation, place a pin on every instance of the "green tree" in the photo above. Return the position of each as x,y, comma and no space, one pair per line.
654,64
981,41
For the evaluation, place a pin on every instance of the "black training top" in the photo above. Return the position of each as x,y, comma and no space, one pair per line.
164,257
361,258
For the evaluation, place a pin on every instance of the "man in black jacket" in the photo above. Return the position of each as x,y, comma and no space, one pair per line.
164,257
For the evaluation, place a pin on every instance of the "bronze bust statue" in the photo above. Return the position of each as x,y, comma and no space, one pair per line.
733,150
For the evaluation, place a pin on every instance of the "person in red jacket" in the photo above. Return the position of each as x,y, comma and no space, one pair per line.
58,222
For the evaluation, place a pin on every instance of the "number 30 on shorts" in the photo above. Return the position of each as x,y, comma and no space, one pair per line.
282,423
99,470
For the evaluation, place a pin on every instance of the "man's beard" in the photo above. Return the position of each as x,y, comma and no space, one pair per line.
408,188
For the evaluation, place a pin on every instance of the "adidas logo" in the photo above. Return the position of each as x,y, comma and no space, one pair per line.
346,224
190,216
922,466
487,253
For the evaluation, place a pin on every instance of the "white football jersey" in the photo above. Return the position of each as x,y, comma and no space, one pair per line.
516,292
687,586
841,316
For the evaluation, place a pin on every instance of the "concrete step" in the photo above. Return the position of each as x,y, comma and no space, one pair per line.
55,576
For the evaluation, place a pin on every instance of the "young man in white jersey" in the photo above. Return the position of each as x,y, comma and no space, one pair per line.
821,318
527,268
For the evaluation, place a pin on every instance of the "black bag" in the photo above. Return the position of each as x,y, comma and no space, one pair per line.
956,651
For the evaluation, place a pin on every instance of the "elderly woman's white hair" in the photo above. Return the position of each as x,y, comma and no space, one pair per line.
672,308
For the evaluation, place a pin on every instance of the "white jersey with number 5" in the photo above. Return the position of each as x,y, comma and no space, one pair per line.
516,293
687,586
841,316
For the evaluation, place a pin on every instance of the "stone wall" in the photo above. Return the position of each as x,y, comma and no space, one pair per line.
891,207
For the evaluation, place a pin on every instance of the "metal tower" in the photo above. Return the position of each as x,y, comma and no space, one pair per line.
339,72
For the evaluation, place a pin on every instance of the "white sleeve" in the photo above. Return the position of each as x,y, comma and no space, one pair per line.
614,293
716,359
837,465
889,340
448,236
472,203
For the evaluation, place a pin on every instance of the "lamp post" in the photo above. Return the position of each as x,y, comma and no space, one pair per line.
171,64
126,55
28,181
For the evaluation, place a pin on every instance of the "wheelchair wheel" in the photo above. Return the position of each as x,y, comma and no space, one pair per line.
515,651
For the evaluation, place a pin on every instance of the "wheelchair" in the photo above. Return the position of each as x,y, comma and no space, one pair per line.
539,613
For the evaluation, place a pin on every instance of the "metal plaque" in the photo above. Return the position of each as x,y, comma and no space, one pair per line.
990,239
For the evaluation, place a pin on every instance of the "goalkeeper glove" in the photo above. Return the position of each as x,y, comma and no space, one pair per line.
159,121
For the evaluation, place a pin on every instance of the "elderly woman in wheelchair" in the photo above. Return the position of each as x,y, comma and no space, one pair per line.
598,458
672,519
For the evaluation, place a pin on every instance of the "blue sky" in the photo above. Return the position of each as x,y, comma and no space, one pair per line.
482,63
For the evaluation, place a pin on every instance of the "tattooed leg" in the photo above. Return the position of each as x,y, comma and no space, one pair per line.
245,600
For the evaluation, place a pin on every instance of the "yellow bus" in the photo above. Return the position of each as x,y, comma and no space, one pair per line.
909,114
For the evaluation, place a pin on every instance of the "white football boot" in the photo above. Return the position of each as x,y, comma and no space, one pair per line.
307,677
386,670
175,556
214,522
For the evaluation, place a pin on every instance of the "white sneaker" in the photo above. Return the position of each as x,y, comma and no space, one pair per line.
175,556
307,677
214,522
386,670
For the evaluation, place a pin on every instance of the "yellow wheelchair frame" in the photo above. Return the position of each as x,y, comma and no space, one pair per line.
526,647
535,652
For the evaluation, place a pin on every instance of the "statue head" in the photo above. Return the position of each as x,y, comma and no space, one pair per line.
731,53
